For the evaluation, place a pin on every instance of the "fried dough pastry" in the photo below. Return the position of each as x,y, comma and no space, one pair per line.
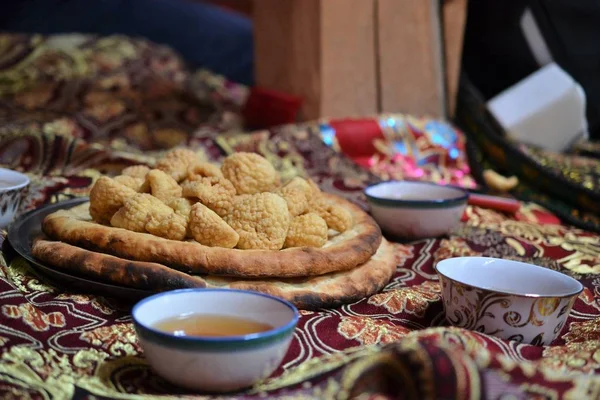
136,211
106,197
262,220
203,169
337,218
183,206
145,213
308,230
171,226
250,173
136,171
297,193
176,163
207,228
215,193
163,186
240,204
302,185
316,190
140,185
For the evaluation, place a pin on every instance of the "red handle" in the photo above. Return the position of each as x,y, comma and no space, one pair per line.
495,203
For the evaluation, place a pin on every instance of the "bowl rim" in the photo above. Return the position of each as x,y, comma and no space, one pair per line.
433,203
507,292
249,339
21,185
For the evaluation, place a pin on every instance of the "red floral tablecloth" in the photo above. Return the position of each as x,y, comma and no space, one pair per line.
88,106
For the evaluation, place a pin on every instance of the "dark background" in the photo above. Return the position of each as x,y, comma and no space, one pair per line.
209,35
496,54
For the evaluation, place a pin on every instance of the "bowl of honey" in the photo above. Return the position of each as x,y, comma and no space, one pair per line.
214,340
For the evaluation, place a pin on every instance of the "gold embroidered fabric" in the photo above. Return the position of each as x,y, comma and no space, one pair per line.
73,111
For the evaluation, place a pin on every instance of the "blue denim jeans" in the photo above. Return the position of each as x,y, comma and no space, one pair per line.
206,36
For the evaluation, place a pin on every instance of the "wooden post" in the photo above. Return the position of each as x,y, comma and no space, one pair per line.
454,17
361,57
410,57
321,50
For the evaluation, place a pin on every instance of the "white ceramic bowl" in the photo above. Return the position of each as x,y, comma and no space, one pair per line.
509,299
13,188
215,364
415,210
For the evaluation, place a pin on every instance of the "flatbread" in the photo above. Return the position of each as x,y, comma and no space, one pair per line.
342,252
324,291
107,268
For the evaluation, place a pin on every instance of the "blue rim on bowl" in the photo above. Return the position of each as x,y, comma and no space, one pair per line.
24,180
463,197
226,343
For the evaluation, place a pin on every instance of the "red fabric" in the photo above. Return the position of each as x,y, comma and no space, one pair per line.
266,108
356,136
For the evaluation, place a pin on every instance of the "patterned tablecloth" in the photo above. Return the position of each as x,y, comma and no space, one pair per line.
74,108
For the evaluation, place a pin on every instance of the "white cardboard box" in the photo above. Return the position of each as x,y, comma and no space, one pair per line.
546,109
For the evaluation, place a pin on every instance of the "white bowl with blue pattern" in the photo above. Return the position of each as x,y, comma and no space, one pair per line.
13,188
416,210
215,364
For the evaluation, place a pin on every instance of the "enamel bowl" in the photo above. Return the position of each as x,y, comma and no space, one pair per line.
508,299
13,188
416,210
215,364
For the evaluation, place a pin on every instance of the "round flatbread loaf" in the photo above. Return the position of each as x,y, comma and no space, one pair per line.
111,269
323,291
342,252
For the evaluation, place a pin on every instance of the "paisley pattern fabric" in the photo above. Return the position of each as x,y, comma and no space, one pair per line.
60,343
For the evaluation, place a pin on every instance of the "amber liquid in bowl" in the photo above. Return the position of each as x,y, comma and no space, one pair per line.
210,325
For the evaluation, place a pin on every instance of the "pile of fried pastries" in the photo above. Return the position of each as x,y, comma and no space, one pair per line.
241,204
188,223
